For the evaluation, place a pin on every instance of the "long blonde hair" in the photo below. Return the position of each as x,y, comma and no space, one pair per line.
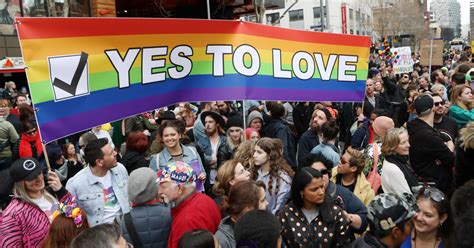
20,192
466,136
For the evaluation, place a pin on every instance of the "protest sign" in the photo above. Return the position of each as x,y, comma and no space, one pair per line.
86,71
403,63
436,52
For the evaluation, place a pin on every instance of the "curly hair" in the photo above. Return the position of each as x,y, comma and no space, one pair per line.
277,163
244,154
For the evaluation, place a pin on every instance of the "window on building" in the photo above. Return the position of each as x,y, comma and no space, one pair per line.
317,15
351,14
296,19
351,31
273,19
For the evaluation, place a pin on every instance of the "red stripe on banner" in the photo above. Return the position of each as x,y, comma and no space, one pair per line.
44,28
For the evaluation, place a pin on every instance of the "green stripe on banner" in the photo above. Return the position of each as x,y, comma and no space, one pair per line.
105,80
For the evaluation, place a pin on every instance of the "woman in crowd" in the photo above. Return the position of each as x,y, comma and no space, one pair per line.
27,218
230,173
244,196
198,239
461,110
397,175
310,220
135,154
171,132
465,155
328,148
69,152
406,111
10,91
185,112
235,137
431,222
63,168
272,169
29,143
349,174
252,134
69,221
244,154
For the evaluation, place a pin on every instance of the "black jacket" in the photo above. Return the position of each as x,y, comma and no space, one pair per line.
302,117
360,139
133,160
307,142
430,158
277,128
464,165
367,241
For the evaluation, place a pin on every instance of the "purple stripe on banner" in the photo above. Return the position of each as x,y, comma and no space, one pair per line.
305,95
72,124
75,123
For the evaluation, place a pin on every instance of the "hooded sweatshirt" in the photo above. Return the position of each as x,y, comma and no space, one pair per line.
133,160
430,158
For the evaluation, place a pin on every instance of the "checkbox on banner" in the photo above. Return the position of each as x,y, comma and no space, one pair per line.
69,76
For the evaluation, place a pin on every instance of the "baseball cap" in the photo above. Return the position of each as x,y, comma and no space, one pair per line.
179,172
388,210
25,169
423,103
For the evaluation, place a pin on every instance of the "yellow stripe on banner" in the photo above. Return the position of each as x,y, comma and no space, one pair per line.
100,62
40,49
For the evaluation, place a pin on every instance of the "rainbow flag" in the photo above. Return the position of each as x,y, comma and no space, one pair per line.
83,72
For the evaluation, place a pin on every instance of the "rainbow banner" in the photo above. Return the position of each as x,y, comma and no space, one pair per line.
83,72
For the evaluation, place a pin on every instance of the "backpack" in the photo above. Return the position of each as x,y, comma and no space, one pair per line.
374,177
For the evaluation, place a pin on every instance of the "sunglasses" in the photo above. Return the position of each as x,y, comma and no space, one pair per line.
433,193
437,104
324,171
31,132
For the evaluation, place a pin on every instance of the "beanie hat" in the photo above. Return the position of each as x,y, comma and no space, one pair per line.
382,124
235,121
142,185
254,114
423,103
257,228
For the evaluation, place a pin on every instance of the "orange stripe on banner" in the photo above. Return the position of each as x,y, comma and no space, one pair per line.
41,28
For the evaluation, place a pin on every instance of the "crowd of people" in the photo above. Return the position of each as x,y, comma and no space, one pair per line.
393,171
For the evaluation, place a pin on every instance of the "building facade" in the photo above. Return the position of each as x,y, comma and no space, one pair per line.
349,16
448,15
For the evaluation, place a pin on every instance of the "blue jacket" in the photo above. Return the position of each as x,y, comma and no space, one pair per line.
329,151
205,145
90,193
360,138
152,223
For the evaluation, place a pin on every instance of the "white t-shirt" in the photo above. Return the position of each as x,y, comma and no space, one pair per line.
47,207
111,205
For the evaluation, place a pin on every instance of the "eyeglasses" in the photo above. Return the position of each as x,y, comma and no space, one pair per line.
437,104
31,132
433,193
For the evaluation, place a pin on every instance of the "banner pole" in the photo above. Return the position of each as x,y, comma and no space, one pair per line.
46,156
431,54
208,10
244,116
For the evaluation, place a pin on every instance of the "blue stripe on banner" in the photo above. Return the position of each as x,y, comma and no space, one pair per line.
50,111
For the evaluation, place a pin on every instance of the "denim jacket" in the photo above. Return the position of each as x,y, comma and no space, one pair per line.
90,194
190,156
277,200
206,146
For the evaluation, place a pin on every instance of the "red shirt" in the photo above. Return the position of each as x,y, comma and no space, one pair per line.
198,211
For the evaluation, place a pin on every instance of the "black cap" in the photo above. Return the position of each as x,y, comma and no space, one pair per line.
235,121
423,103
25,169
216,116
